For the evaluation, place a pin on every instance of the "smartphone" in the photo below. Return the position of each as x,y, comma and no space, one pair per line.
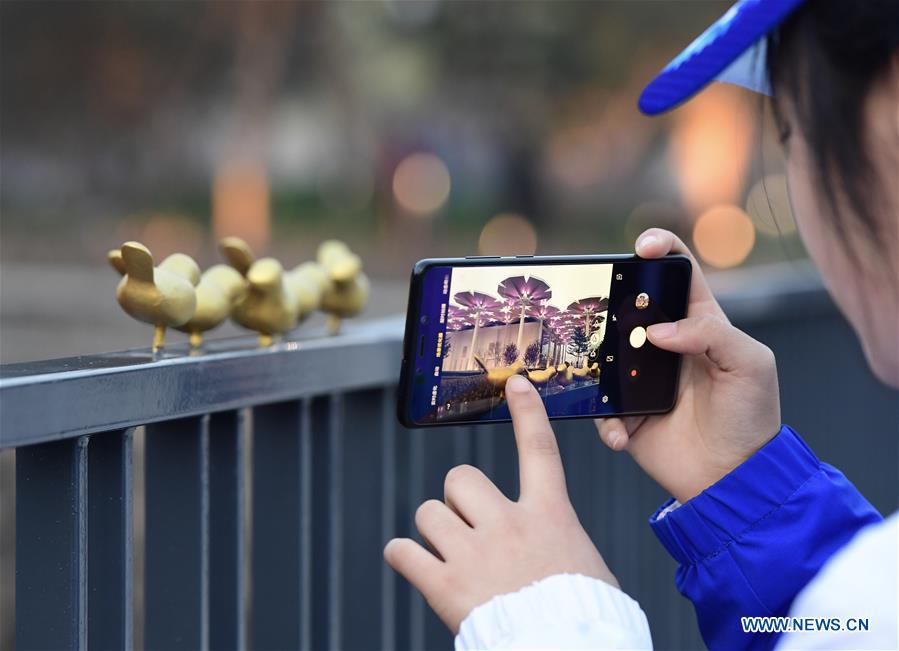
575,326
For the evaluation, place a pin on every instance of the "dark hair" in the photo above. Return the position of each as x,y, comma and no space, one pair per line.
823,61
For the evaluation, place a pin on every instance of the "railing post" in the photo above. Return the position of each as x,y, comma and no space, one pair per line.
51,545
281,475
335,515
416,489
362,453
110,541
321,424
388,515
227,529
177,535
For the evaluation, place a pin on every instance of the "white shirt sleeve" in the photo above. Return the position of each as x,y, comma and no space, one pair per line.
856,593
565,611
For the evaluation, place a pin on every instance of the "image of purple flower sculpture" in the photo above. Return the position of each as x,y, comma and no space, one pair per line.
523,293
589,309
457,318
478,311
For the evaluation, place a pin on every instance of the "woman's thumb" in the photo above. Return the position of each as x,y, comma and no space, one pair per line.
729,348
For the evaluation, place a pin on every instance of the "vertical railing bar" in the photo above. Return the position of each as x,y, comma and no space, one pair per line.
461,445
128,537
110,567
416,490
335,518
51,576
277,582
484,449
139,542
305,519
388,516
176,576
81,514
241,557
204,532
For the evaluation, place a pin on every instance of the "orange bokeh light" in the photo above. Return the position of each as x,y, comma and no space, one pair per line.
421,184
507,234
240,203
710,146
723,236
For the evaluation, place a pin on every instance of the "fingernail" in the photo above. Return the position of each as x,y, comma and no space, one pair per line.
662,330
614,437
646,241
518,384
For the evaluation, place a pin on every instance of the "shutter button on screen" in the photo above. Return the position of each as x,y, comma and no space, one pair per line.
638,336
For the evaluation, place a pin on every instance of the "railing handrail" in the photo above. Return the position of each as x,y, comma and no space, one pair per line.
63,398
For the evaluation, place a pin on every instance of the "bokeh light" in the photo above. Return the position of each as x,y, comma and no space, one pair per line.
507,234
421,183
577,153
710,146
768,203
241,203
723,236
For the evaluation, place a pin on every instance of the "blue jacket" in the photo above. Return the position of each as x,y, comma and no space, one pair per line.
748,544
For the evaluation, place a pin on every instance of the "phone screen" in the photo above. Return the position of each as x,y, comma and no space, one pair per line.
576,330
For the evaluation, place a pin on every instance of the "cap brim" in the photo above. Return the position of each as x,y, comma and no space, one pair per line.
732,50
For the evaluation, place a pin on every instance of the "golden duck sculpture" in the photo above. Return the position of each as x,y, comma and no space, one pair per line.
308,282
220,289
347,290
542,376
163,296
581,373
238,254
498,376
269,305
565,375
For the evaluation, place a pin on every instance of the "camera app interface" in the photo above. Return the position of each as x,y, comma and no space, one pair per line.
576,331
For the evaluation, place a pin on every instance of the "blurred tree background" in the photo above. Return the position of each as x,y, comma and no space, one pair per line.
408,128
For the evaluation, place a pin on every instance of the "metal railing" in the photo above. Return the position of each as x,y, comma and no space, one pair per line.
241,498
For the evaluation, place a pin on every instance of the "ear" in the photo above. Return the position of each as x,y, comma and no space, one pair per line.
115,259
238,254
138,261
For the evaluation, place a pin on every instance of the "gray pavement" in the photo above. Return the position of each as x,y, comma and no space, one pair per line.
48,312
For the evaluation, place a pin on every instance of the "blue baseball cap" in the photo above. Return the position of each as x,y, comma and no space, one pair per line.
731,50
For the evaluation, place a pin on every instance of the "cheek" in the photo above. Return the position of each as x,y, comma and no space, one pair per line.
825,249
854,290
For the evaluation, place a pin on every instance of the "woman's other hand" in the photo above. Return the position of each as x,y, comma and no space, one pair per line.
483,544
728,404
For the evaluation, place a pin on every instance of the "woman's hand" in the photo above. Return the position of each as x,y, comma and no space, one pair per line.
482,544
728,404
